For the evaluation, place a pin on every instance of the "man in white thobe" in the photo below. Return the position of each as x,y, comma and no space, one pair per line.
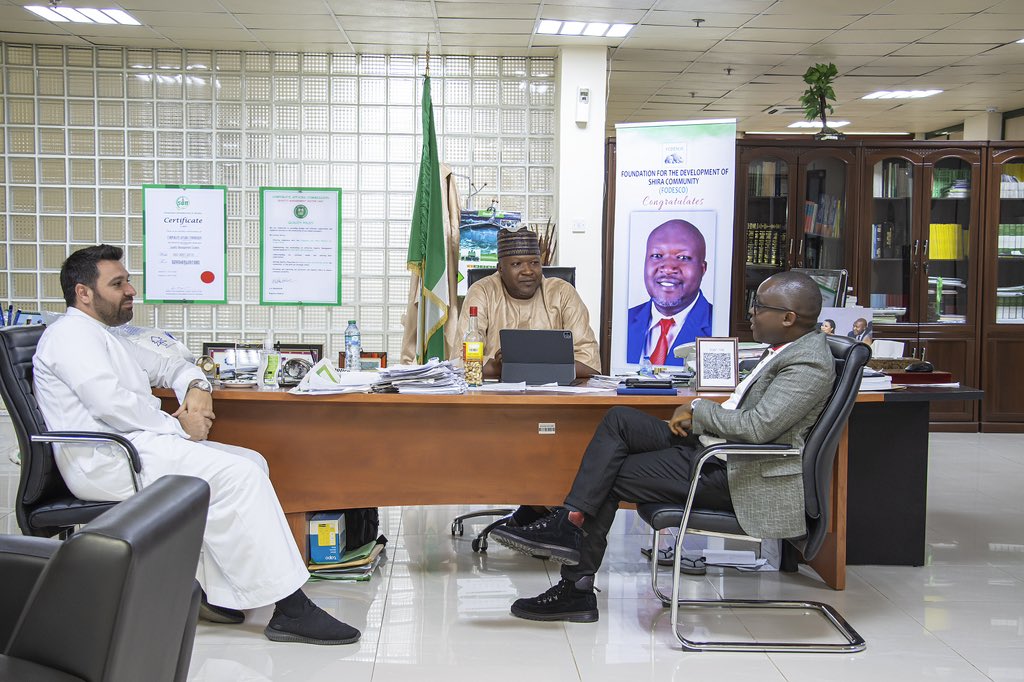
89,379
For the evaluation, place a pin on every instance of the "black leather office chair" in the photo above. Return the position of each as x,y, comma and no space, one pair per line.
818,456
116,602
568,273
44,506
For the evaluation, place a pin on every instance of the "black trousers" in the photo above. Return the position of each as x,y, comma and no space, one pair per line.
634,457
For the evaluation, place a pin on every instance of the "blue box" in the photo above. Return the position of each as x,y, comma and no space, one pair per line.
326,537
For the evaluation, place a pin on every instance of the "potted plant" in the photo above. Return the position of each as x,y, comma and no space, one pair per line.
816,98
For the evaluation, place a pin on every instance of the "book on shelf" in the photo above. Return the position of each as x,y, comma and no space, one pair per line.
1010,304
947,241
951,183
1011,239
1011,181
765,244
892,179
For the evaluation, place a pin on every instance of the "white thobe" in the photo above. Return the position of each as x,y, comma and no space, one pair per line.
88,379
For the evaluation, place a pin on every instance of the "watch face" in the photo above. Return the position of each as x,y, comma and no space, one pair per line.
203,385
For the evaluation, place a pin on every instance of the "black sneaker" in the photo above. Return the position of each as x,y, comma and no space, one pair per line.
564,601
527,514
314,626
552,537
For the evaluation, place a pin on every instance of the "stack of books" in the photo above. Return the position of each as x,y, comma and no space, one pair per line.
946,241
356,565
1011,238
951,183
1011,182
873,380
1010,305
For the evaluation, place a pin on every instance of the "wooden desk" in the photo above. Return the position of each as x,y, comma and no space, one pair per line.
367,450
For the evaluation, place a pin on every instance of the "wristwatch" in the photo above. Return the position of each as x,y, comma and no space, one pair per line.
693,403
201,384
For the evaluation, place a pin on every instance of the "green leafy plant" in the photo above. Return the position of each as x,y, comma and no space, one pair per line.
819,93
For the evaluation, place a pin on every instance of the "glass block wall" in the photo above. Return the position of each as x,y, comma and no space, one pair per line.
84,128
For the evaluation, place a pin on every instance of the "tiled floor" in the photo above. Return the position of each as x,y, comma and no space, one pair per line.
438,611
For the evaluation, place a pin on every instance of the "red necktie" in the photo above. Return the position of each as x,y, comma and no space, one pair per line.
661,348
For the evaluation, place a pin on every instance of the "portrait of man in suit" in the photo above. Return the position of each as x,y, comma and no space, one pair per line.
677,312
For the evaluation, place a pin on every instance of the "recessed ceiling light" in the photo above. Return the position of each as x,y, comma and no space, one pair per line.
901,94
45,13
596,28
572,28
84,15
817,124
97,16
619,30
549,27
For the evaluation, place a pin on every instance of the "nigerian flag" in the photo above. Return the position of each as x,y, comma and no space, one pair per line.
427,255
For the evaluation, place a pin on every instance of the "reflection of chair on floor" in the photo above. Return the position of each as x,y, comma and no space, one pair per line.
818,455
45,506
116,602
480,541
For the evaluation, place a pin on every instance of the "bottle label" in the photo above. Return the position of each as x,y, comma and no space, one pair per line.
473,350
270,374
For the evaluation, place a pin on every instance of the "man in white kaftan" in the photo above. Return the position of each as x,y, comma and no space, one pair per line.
87,378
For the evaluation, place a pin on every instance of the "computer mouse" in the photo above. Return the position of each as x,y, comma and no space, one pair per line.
920,366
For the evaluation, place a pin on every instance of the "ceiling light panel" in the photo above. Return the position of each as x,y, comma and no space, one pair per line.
901,94
83,15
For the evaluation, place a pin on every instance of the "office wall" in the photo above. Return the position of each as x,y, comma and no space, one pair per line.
84,128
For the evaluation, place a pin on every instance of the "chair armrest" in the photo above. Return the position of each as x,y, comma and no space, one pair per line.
22,560
94,438
17,670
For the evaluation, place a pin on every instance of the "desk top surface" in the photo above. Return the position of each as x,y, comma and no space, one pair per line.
608,398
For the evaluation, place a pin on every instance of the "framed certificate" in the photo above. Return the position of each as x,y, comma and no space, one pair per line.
717,364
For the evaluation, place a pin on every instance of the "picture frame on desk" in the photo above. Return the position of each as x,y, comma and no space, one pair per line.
368,360
233,358
717,364
311,352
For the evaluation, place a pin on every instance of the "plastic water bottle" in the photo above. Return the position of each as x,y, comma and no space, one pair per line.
646,367
353,347
270,364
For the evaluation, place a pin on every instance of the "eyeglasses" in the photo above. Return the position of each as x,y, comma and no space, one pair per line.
756,306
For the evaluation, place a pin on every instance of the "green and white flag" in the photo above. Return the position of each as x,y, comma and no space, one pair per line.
427,253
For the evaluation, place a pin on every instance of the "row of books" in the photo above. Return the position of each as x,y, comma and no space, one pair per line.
825,217
888,240
820,255
951,183
893,179
768,179
766,244
1011,239
1010,304
1011,181
947,241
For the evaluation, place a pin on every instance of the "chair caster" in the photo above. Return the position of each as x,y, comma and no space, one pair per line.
457,528
479,544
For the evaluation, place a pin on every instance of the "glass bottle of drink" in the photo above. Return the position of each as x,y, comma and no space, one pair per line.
473,351
353,347
270,364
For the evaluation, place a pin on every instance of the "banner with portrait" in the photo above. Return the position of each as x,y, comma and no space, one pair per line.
673,234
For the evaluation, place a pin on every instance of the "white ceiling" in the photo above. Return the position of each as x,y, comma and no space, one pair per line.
744,61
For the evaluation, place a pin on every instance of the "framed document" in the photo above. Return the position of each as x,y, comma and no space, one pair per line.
311,352
717,364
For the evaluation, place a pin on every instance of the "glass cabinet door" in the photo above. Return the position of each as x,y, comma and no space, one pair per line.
767,216
1010,256
946,240
892,236
823,222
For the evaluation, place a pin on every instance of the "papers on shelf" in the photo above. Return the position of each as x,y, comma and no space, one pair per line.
435,377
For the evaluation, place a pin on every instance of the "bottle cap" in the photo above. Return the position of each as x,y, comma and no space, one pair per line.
472,311
351,321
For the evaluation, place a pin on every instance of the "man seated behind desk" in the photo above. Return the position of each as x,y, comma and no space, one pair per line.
635,457
518,296
88,379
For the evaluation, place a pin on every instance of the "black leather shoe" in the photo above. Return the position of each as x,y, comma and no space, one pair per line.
219,614
313,626
552,537
564,601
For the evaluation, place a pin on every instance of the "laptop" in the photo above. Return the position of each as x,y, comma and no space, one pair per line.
537,356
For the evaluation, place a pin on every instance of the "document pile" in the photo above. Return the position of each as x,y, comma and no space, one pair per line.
435,377
357,565
322,379
872,380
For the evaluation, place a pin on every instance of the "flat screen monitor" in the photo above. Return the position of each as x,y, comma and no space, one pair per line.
832,284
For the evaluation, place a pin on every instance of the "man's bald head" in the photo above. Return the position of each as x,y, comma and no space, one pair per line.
674,265
798,293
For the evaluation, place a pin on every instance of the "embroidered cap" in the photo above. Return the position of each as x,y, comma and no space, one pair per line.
520,243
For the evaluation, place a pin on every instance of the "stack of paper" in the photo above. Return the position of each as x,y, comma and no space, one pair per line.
357,565
875,381
434,377
324,378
